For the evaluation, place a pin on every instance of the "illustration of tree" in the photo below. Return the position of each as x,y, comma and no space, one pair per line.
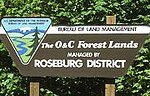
35,42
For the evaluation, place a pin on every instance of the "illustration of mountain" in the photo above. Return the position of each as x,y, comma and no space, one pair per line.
32,31
21,32
15,31
31,35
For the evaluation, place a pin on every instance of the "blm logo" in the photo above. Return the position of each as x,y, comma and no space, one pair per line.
25,35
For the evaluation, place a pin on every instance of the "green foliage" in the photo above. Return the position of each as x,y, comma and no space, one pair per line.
74,12
46,92
10,80
9,84
137,81
78,12
74,86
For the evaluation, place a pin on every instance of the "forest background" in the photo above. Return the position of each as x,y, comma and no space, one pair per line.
78,12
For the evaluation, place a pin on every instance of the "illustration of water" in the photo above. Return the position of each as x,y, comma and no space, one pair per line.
22,50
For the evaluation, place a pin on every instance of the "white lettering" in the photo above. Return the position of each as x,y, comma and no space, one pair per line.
58,63
106,63
83,44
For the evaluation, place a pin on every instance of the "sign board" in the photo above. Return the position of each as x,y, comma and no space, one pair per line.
40,49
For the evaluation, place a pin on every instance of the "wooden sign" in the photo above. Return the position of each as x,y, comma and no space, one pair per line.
39,49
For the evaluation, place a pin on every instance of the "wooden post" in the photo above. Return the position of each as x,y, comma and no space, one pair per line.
110,19
34,88
110,88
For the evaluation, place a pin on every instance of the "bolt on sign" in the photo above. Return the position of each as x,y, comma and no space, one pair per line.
40,49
